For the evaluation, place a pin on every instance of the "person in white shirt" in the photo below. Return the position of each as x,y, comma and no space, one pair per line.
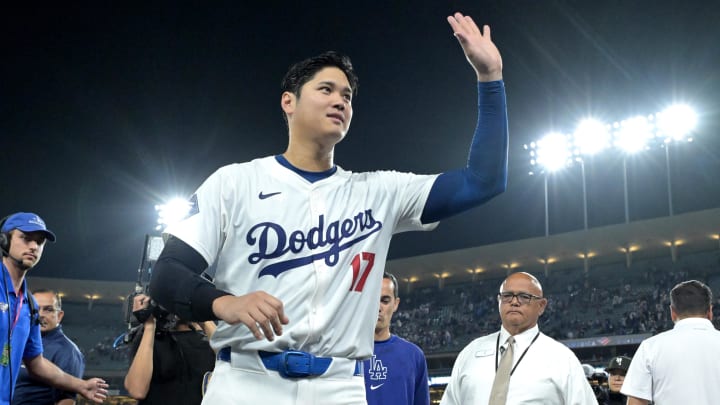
679,366
543,371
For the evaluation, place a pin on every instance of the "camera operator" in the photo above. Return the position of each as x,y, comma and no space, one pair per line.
169,357
597,383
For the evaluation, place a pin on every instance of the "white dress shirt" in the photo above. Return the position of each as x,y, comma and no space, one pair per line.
680,366
548,373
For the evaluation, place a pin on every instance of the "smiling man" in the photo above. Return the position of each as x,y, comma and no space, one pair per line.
518,364
299,244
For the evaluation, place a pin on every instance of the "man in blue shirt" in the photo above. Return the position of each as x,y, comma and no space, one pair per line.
58,348
22,240
397,372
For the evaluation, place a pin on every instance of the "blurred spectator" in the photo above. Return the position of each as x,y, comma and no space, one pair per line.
56,348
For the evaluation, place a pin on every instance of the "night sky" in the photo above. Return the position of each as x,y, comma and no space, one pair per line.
107,110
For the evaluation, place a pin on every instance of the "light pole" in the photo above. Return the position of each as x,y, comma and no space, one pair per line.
584,188
625,190
591,137
631,136
675,123
547,215
552,153
669,182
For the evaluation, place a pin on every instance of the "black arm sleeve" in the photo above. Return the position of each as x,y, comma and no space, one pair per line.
176,283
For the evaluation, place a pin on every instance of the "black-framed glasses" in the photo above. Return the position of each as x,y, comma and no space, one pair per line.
523,298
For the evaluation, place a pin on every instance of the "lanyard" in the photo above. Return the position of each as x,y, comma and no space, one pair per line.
18,309
497,349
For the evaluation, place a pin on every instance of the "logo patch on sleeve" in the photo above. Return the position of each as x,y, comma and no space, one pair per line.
194,206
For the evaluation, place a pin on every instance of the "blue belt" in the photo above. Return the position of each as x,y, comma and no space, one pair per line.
292,363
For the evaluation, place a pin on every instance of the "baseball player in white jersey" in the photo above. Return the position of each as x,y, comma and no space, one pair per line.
299,244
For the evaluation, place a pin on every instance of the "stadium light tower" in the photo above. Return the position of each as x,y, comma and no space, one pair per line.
674,124
552,153
591,136
632,136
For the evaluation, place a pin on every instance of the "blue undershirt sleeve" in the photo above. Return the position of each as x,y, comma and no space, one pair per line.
485,174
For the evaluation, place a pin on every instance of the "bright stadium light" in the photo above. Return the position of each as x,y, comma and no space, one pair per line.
553,152
591,136
556,151
633,134
676,122
172,212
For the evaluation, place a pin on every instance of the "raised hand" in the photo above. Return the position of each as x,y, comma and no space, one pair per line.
262,313
479,49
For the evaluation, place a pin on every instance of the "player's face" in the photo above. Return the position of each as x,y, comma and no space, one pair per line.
516,316
324,109
615,381
388,305
27,247
50,314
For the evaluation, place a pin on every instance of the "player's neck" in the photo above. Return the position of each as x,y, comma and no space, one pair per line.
382,335
309,159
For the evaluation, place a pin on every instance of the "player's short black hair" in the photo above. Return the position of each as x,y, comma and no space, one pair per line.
392,278
691,298
301,72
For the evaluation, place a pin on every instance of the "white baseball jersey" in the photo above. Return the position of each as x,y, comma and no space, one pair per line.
318,247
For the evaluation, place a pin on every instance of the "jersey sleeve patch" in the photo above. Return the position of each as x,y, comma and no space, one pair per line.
194,206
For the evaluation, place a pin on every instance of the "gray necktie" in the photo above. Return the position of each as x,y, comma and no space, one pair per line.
498,394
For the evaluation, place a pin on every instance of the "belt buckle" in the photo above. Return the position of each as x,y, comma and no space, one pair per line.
295,364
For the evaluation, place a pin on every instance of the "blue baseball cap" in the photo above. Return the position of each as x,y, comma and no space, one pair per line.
27,222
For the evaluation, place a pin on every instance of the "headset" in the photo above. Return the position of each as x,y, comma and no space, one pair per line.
4,238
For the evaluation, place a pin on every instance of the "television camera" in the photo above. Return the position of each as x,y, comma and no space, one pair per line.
135,319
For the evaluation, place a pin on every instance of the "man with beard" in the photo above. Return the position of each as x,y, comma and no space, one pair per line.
22,241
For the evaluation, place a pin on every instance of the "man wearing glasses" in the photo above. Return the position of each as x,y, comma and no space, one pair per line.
518,364
56,348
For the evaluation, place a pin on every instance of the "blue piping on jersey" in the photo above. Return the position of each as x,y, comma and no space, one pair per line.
312,177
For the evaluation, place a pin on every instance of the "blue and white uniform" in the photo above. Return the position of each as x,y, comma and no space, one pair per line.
319,244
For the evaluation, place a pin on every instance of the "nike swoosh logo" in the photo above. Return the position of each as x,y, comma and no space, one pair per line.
374,387
268,195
